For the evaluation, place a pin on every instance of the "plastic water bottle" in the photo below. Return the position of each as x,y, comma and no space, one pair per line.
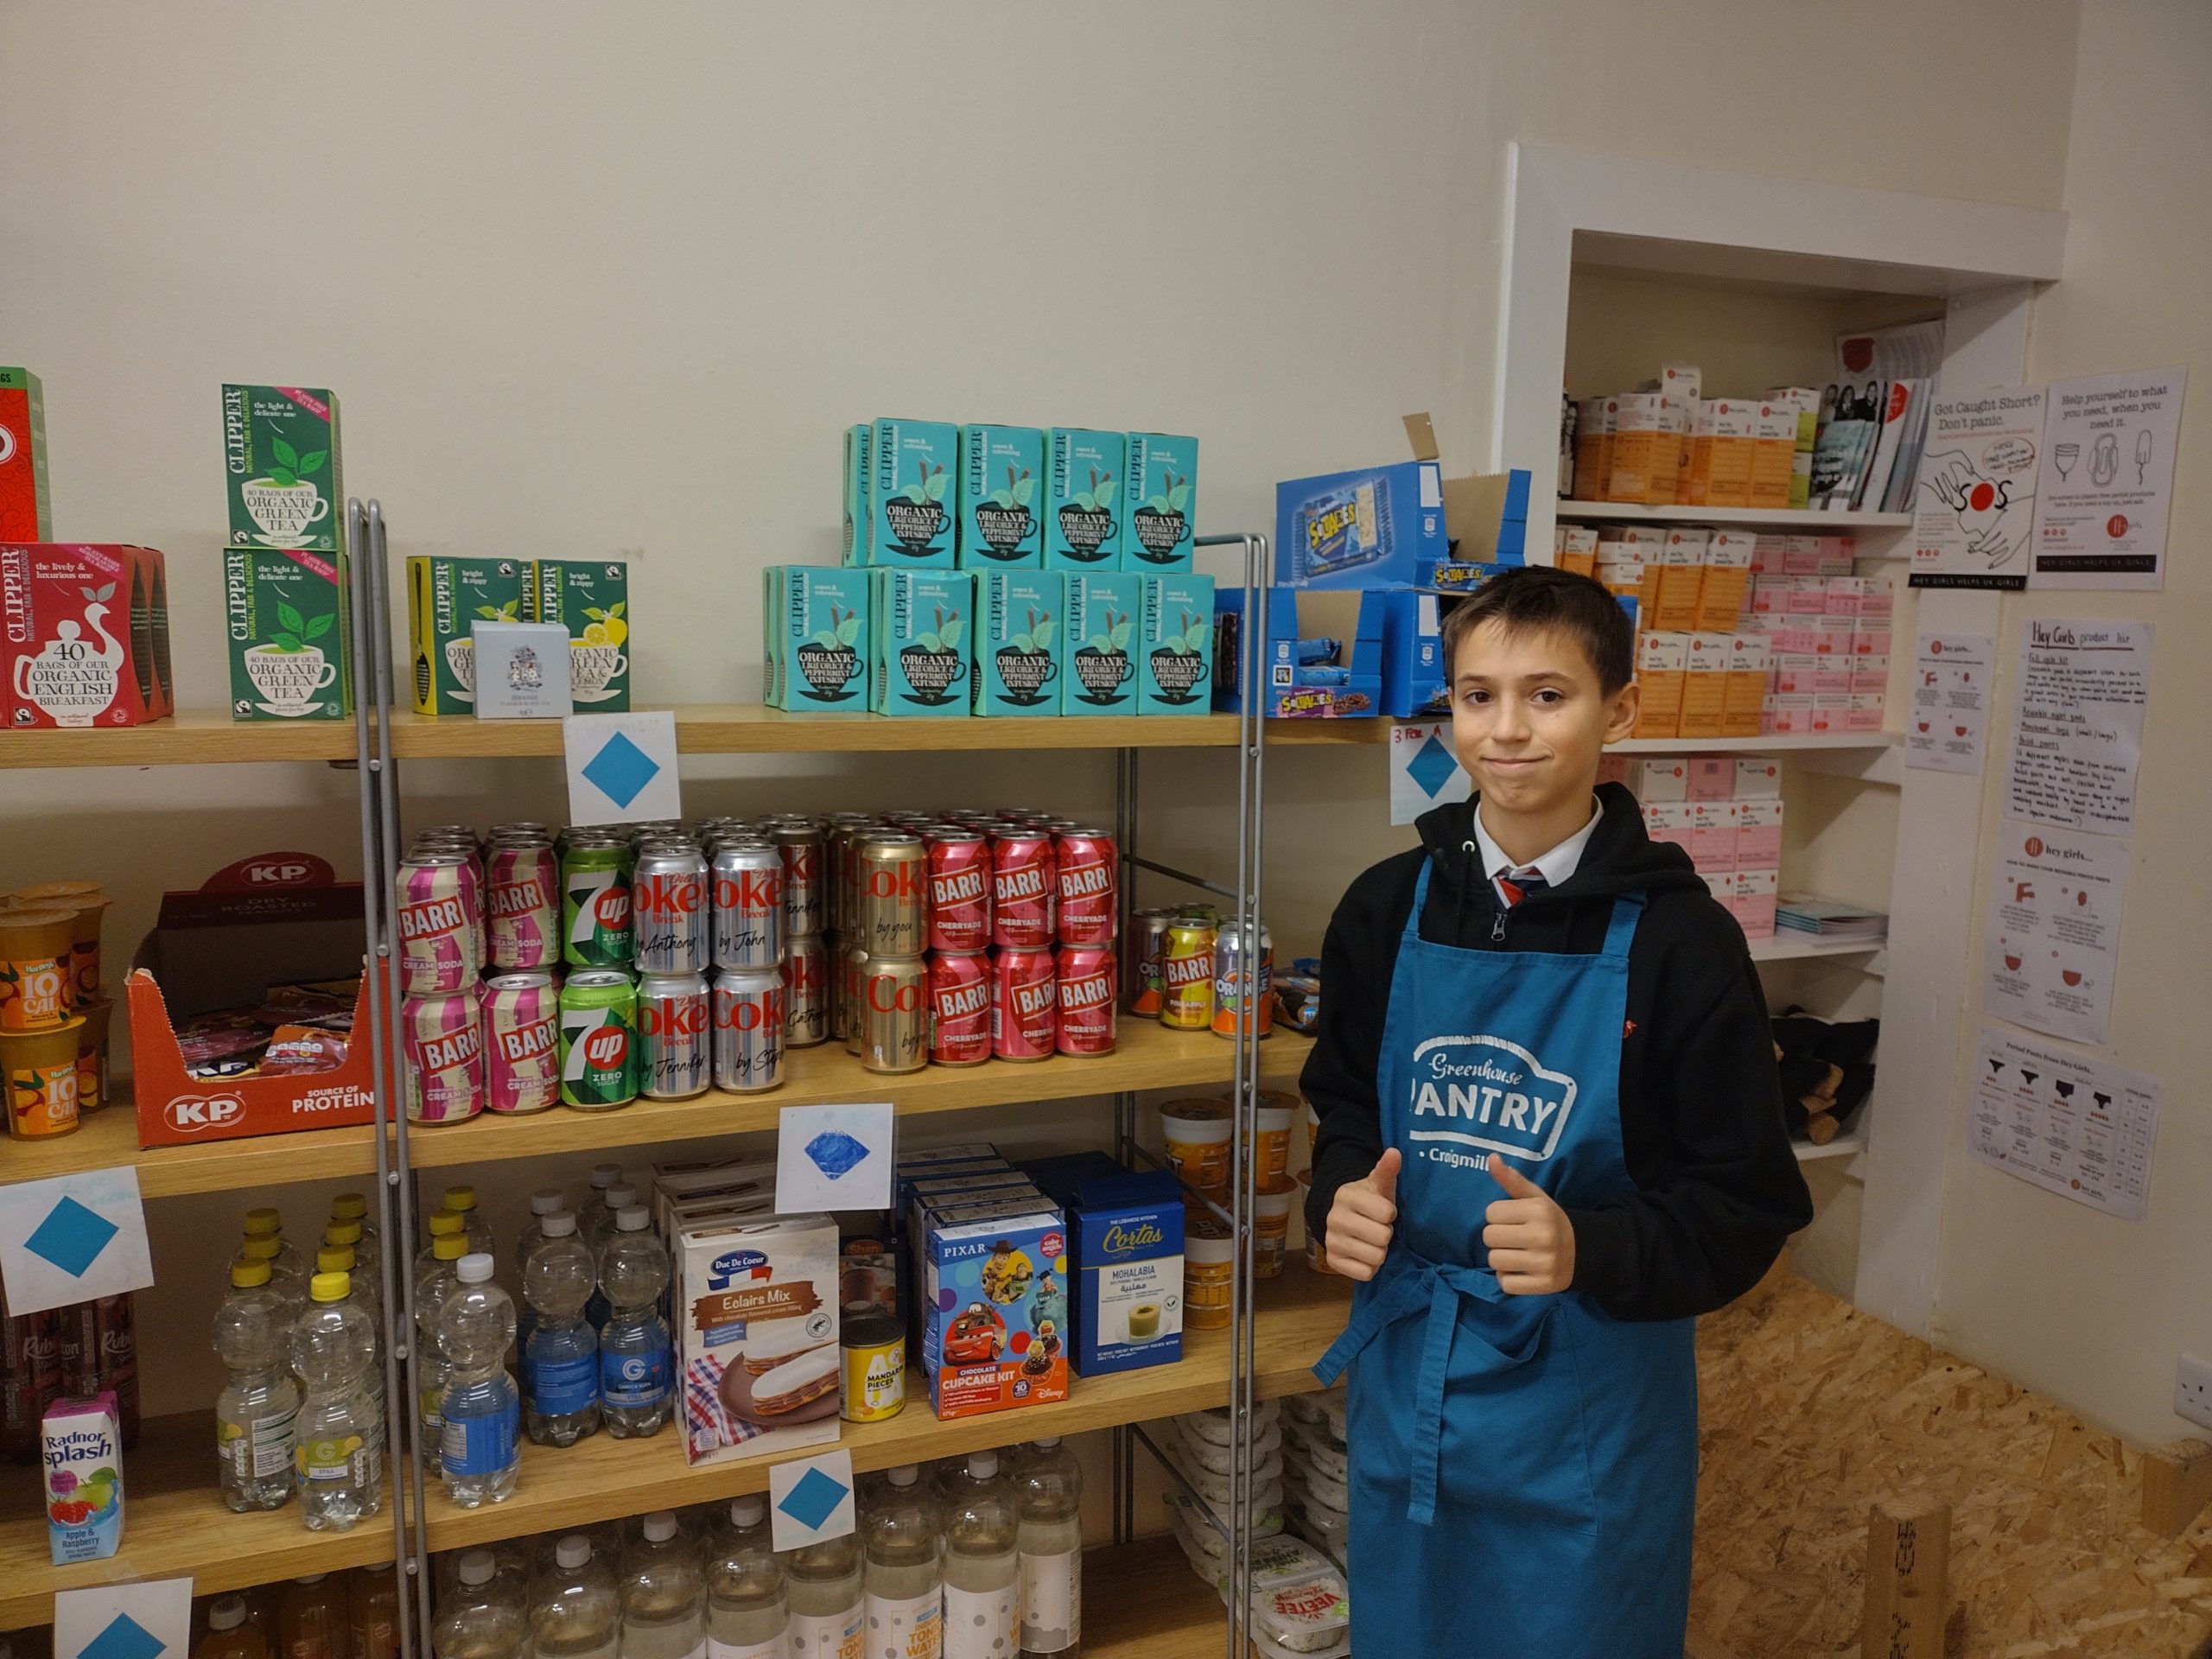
542,1203
982,1563
340,1455
481,1413
311,1618
257,1414
828,1612
354,1207
433,1284
461,1200
664,1594
372,1612
560,1356
340,1258
440,1224
265,1222
576,1610
269,1252
229,1634
635,1395
482,1617
597,1225
1048,1496
903,1575
747,1612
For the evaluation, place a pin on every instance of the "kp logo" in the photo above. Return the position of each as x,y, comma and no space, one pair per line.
1511,1104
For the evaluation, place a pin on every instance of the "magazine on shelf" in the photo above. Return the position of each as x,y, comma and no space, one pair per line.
1830,918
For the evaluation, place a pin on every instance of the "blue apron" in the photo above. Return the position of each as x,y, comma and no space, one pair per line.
1523,1468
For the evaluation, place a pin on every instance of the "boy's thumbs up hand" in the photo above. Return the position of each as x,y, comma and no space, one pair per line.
1530,1240
1362,1218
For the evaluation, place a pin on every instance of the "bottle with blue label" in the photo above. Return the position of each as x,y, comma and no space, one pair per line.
634,1391
481,1413
560,1356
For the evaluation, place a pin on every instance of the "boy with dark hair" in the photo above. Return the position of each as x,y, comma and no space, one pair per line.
1551,1135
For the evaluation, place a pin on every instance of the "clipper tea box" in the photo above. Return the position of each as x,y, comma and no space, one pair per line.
1105,611
1082,518
1176,669
913,475
1020,641
26,507
446,597
1001,498
922,622
817,622
285,614
280,456
1160,502
592,600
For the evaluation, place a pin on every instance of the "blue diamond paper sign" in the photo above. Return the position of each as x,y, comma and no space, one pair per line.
810,1499
72,1238
1424,772
621,768
152,1620
124,1637
1432,767
834,1157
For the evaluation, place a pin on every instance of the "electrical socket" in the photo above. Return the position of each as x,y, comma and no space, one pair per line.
2193,1390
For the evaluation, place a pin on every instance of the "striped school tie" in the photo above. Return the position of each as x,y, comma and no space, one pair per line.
1514,889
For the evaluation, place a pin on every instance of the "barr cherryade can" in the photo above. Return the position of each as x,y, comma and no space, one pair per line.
673,1032
1085,976
748,905
522,905
442,1058
1090,897
960,891
1025,885
748,1019
522,1042
960,1007
1025,997
806,993
669,909
440,907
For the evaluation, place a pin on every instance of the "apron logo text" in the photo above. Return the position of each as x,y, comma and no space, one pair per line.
1509,1102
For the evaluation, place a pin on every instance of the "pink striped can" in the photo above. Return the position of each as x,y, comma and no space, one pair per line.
522,1028
522,910
440,912
442,1057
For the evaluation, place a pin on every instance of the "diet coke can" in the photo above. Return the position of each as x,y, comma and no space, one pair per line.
1024,992
441,908
894,877
960,890
748,896
840,875
894,1023
748,1015
522,905
806,999
800,844
1090,888
678,1054
522,1045
669,908
852,959
1085,976
443,1061
1024,888
960,1007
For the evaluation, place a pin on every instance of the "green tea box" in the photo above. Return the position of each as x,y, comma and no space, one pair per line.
1176,674
1104,611
856,524
819,638
1160,502
1083,475
446,597
1019,641
923,622
592,600
286,614
280,454
1001,515
912,467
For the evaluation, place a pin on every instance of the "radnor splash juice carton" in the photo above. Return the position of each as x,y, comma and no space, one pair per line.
592,600
922,622
1176,669
1082,475
446,597
81,1456
26,507
285,613
1160,502
280,455
913,470
1001,498
1105,609
817,638
84,635
1020,641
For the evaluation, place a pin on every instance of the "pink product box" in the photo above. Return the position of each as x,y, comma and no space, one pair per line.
1833,678
1790,711
1831,712
1668,823
1758,778
1850,595
1869,674
1793,671
1722,884
1768,553
1713,834
1834,636
1866,641
1800,555
1712,777
1612,769
1751,902
1758,834
1836,554
1808,596
1865,715
1765,597
1794,637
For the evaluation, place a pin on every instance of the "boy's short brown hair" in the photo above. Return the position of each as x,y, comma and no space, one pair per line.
1541,597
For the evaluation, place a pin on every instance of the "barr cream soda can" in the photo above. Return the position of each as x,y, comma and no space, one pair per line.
960,1007
1186,976
895,1025
1090,899
747,877
1085,977
522,1042
677,1050
81,1452
1024,884
960,890
1024,998
670,908
599,1039
522,909
440,904
443,1061
749,1022
894,877
595,923
806,993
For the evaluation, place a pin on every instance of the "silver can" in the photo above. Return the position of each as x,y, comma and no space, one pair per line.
806,999
851,961
669,908
799,844
748,904
894,870
748,1018
677,1055
1243,981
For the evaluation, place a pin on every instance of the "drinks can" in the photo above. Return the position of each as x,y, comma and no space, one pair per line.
522,905
841,872
1084,974
520,829
894,878
799,844
749,1020
1140,960
853,959
1025,890
595,925
960,1007
522,1042
443,1062
1090,888
894,1018
1243,981
676,1047
441,907
599,1039
748,901
1186,976
960,890
872,1383
670,908
1025,995
806,993
30,1379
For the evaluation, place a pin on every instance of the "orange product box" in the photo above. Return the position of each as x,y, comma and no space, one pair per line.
1721,440
1593,447
1682,572
1661,665
1758,778
1751,665
1713,834
1774,452
1758,834
87,639
1644,449
1669,823
1722,589
26,502
1711,777
1705,686
1578,549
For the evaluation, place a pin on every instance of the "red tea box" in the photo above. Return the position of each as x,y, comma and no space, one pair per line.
83,634
26,505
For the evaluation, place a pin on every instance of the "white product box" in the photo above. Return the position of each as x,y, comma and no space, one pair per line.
1669,822
1758,834
523,671
1660,777
756,1334
1758,778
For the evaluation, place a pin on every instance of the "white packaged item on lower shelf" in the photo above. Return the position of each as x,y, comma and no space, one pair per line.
1318,1452
1266,1510
1299,1604
1213,1457
1214,1488
1214,1426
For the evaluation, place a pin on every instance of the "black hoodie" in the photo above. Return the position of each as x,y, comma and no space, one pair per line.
1716,1186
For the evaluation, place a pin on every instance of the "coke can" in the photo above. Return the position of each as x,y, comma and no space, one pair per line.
677,1057
1186,976
441,906
1024,998
806,1000
960,1007
599,1039
595,925
1140,960
1243,982
960,890
800,845
853,958
1024,888
522,904
669,909
894,875
748,1015
522,1042
443,1061
840,873
1090,887
748,899
1084,974
894,1023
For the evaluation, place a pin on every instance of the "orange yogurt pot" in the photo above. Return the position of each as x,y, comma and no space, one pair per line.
38,1080
36,984
1209,1270
1271,1224
1278,1115
1198,1136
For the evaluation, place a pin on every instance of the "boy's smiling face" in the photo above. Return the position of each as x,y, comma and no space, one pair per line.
1529,718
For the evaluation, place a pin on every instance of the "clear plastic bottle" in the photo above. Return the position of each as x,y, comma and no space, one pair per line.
230,1634
664,1594
542,1203
634,1392
597,1225
340,1456
904,1576
982,1563
265,1222
270,1253
433,1283
354,1207
829,1611
575,1612
560,1356
482,1617
312,1622
748,1611
481,1413
257,1414
1048,1497
341,1258
372,1611
461,1201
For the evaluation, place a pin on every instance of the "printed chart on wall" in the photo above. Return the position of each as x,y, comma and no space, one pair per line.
2108,478
2083,683
1949,726
1974,504
2054,929
2081,1128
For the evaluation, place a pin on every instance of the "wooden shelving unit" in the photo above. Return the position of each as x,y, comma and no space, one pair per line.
1798,521
199,737
110,1137
1142,1601
1378,732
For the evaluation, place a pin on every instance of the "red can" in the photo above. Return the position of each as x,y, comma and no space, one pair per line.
1024,888
1024,995
960,1007
523,904
1090,888
31,1377
960,891
1085,975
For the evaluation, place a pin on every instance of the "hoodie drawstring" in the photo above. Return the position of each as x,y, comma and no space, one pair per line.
1460,912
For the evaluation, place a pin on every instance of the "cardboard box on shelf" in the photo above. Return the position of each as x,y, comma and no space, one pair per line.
756,1337
1001,498
1021,642
1393,526
522,671
1758,834
1105,614
1869,674
1705,685
1647,449
1758,778
26,498
817,640
1593,447
591,598
921,622
1805,403
1674,608
1653,779
1721,440
1713,834
1750,666
1788,713
445,595
913,494
1725,579
87,640
1354,620
1663,662
1175,669
1866,712
1669,821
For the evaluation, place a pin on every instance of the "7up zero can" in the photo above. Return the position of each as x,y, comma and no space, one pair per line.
598,1039
595,925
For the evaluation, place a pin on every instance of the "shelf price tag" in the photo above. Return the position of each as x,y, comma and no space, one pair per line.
152,1620
810,1499
1424,772
621,768
72,1238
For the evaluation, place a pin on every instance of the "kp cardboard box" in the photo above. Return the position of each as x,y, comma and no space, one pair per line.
86,640
1001,498
756,1337
286,481
1083,519
1160,502
444,597
1105,610
1021,642
914,466
817,642
288,616
592,600
1175,672
26,501
921,623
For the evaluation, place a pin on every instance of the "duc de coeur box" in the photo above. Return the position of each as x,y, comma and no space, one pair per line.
922,621
445,598
912,493
26,504
995,1313
817,644
286,478
1019,641
1160,502
1105,610
285,613
1082,475
1175,671
591,598
756,1337
87,637
1001,498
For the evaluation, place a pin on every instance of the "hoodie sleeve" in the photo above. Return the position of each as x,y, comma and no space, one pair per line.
1358,956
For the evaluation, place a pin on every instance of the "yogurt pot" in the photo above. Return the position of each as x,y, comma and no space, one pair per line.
37,982
1316,1253
1271,1224
1209,1268
1278,1115
38,1084
1198,1136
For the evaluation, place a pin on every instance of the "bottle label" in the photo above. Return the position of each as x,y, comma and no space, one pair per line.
1051,1602
253,1446
355,1458
633,1379
561,1384
480,1445
433,1401
833,1636
778,1648
980,1623
907,1627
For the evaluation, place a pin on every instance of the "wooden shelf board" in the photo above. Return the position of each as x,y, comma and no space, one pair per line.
1789,946
196,737
1141,1601
1378,731
1844,1146
109,1136
753,729
1802,522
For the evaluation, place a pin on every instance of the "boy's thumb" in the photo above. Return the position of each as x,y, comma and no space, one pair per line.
1384,1176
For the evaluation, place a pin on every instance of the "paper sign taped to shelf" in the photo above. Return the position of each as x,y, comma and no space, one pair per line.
1424,772
72,1238
2073,1125
2083,685
810,1499
152,1620
834,1158
621,768
2107,478
2055,906
1948,727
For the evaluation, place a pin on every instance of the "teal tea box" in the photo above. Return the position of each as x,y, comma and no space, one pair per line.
1104,611
1019,641
911,468
856,453
817,642
1175,674
1001,498
1160,502
922,622
1082,472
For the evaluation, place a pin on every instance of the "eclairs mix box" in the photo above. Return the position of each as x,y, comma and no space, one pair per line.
756,1336
995,1304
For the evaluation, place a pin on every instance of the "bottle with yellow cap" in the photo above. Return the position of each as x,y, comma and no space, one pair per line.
461,1200
257,1412
267,1223
340,1459
433,1284
354,1206
362,1292
269,1252
440,1224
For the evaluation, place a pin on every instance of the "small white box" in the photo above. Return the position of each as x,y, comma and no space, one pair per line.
1663,778
1758,778
522,671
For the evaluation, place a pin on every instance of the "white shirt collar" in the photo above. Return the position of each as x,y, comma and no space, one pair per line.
1555,866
